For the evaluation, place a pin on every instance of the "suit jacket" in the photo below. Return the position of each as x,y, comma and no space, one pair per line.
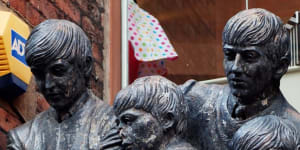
210,123
83,130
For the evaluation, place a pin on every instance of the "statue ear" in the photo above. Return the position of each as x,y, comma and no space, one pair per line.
282,68
89,67
168,121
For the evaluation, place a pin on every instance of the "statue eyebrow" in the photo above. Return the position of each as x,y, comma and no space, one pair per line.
58,62
226,46
246,48
249,48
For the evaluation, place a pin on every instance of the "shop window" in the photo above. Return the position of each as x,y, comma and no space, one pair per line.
195,27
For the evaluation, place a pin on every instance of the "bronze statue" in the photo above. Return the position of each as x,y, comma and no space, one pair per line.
266,133
59,55
151,113
256,56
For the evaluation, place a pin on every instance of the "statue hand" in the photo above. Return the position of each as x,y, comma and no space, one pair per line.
111,141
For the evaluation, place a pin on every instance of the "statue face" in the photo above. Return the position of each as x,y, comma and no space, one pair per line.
139,130
61,82
248,70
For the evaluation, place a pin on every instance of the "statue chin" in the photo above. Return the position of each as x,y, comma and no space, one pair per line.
242,96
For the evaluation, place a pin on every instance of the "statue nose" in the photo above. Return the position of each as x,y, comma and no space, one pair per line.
122,134
237,66
49,83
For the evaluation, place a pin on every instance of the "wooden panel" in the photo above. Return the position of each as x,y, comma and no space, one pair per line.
115,49
282,8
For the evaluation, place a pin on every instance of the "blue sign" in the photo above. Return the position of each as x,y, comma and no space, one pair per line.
18,46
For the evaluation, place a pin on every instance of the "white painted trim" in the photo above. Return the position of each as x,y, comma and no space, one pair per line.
124,46
293,69
223,80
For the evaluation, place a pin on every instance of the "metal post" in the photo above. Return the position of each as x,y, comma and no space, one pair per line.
297,45
294,46
124,46
291,46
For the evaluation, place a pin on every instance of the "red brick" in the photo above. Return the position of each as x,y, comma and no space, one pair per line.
42,18
94,33
91,8
28,104
100,36
7,121
5,1
100,3
96,52
87,24
70,10
7,107
102,22
32,15
18,5
97,80
2,140
47,8
82,5
35,3
94,11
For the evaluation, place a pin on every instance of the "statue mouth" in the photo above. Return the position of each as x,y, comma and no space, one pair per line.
128,146
53,96
238,82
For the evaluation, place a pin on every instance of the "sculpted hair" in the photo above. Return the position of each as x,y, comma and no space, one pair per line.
57,39
258,27
264,133
156,95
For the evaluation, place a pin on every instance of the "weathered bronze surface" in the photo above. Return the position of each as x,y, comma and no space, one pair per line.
266,133
256,56
59,55
151,114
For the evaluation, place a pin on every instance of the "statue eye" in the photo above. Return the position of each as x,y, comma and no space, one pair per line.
117,122
58,70
250,55
128,119
229,55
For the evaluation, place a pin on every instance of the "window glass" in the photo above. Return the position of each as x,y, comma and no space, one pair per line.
195,27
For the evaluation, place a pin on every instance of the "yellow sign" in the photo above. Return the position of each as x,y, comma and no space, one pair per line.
13,35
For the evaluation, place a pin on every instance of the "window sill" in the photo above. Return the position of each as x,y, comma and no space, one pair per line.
223,80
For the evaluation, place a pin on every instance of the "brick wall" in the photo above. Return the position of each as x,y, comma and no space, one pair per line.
86,13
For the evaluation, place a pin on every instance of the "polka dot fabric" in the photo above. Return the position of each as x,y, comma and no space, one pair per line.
152,68
147,36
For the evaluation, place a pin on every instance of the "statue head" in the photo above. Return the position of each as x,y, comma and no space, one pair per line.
150,111
256,53
266,133
59,55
